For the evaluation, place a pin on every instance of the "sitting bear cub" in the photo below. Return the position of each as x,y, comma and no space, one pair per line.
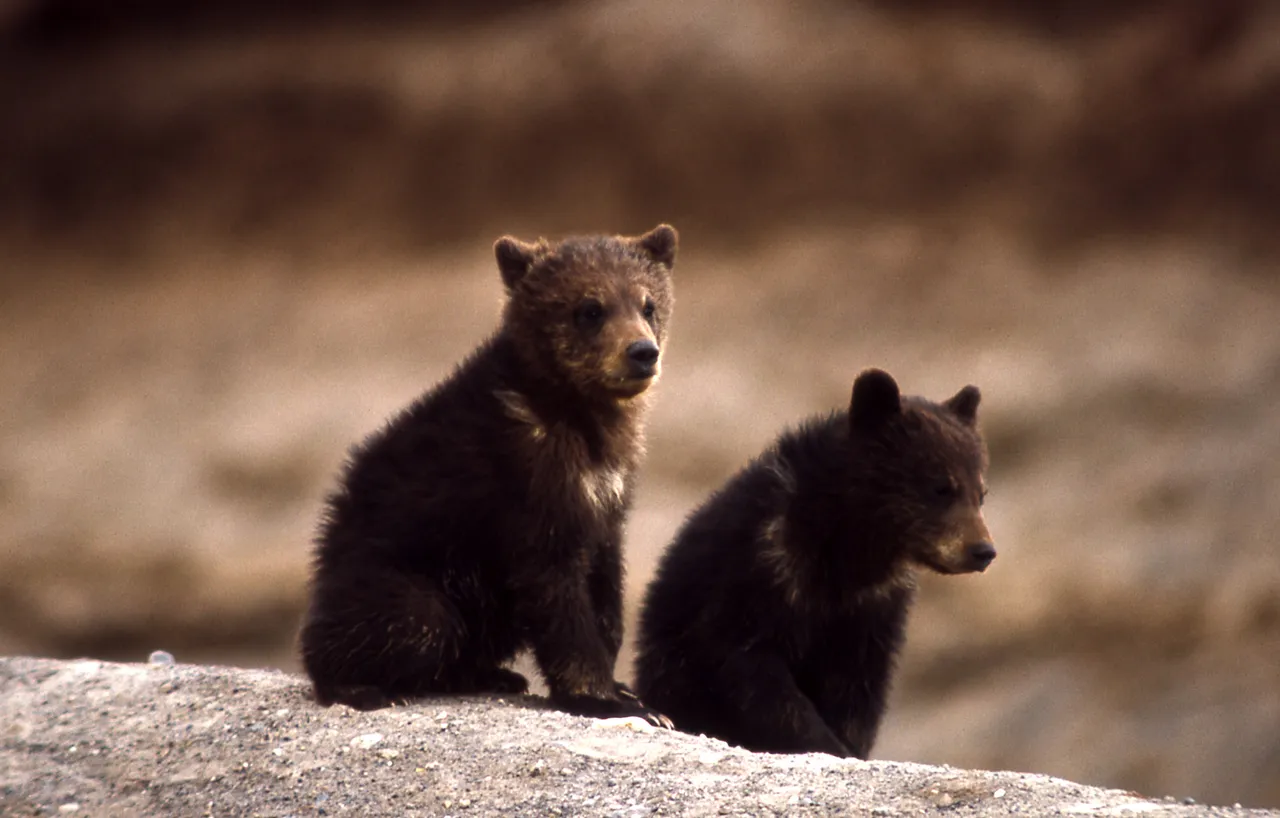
776,615
487,516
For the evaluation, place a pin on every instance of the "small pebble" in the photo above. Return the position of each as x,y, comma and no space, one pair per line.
366,741
1188,800
70,806
160,657
998,793
634,723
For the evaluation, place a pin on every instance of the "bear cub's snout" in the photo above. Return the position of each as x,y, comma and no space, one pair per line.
642,358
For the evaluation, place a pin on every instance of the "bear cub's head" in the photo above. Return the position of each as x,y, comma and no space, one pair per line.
925,463
591,312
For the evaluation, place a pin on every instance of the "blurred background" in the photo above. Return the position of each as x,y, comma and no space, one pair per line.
235,236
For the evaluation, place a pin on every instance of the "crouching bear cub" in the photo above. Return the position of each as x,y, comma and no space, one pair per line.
775,617
487,516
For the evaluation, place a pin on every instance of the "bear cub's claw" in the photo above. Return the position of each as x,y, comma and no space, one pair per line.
621,690
652,716
626,704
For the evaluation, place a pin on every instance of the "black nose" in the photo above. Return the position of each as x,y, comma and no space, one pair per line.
642,355
980,555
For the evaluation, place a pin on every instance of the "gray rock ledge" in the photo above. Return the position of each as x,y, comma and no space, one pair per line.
104,739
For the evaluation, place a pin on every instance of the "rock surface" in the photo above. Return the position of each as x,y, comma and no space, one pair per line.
100,738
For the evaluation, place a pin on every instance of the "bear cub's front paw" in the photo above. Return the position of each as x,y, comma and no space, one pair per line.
501,680
622,704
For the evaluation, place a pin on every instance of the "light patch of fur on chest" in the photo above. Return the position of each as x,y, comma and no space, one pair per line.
603,488
774,550
517,408
782,562
791,574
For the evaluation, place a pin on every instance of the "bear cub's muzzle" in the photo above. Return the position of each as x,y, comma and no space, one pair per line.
642,359
978,556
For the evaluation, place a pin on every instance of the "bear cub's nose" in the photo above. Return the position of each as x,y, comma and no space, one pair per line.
980,555
642,356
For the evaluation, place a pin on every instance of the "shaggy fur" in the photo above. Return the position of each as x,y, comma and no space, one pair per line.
487,516
776,615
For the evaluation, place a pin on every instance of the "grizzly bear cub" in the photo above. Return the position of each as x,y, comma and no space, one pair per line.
777,613
487,516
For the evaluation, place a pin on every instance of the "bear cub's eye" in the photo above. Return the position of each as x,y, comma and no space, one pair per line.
589,314
946,490
650,309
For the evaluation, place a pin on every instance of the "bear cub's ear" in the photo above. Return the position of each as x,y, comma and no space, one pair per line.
875,399
514,259
659,244
964,404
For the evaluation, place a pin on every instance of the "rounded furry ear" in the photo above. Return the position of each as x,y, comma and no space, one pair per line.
514,259
964,404
875,399
659,244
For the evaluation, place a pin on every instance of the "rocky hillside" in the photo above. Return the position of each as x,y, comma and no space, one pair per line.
105,739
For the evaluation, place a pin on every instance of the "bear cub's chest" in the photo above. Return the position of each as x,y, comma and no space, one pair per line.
565,472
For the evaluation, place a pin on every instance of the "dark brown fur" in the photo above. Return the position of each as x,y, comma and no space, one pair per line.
487,516
776,615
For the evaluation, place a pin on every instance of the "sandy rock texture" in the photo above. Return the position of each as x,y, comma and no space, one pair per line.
99,738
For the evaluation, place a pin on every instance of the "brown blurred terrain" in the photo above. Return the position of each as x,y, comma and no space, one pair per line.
234,237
